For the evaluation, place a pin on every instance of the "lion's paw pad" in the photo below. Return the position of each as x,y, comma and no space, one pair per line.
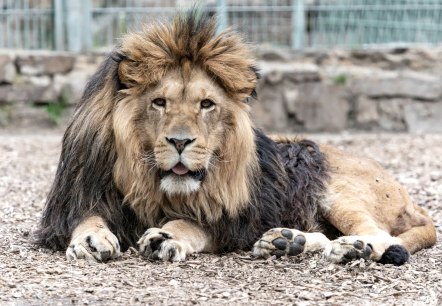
157,244
279,242
346,249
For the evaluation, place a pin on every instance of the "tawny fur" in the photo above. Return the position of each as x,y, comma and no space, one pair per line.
117,145
364,200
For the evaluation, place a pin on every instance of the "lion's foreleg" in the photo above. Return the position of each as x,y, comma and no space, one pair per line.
291,242
93,240
174,241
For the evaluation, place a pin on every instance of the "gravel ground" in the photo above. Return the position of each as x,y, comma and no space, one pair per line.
33,276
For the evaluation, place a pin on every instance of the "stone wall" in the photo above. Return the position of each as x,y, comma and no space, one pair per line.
40,88
396,90
390,90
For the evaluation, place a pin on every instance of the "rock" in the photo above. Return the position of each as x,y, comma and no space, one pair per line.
273,54
45,63
26,93
21,114
424,117
38,81
322,107
290,95
391,114
44,83
366,111
7,68
398,84
269,111
71,86
289,106
274,72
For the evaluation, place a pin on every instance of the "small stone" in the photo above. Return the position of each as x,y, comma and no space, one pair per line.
435,176
328,294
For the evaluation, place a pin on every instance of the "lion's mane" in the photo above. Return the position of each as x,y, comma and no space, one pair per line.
261,184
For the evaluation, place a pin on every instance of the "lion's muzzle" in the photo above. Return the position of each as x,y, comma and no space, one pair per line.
180,144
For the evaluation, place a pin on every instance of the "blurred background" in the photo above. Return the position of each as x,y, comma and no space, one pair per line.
327,65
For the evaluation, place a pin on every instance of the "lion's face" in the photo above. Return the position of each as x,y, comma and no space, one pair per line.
184,123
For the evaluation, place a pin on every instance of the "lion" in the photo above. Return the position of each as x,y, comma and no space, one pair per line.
161,154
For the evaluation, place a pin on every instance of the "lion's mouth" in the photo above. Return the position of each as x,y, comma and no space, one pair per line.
182,171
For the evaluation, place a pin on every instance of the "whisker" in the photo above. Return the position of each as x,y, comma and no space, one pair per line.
149,159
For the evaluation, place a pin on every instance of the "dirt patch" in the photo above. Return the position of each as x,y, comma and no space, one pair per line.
33,276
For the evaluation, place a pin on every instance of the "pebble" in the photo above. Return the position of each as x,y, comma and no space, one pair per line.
30,275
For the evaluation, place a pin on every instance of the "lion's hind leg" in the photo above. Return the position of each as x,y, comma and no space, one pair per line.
291,242
387,235
373,212
381,248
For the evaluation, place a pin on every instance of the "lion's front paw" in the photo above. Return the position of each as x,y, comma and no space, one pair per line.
158,244
97,245
279,242
347,248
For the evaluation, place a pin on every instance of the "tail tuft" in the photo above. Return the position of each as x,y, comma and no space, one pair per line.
396,255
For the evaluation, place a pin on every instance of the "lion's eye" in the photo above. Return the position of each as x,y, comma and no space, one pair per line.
206,103
159,102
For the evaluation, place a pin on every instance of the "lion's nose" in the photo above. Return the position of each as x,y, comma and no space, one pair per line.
180,144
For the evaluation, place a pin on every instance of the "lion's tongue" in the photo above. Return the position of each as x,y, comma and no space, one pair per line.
180,169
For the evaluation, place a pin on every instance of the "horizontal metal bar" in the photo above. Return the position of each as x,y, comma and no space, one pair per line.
139,10
281,8
25,12
15,10
133,10
374,7
382,24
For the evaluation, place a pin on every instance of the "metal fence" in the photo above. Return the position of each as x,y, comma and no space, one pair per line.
359,23
79,25
26,24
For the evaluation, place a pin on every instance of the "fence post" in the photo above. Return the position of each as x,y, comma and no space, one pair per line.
78,29
86,25
57,7
298,24
221,12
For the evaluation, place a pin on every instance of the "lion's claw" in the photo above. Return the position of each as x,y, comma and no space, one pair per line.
157,244
96,246
347,248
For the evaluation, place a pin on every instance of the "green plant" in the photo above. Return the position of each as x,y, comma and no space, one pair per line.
340,79
5,114
55,109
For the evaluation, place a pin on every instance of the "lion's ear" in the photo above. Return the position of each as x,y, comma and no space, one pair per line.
107,74
254,95
118,57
